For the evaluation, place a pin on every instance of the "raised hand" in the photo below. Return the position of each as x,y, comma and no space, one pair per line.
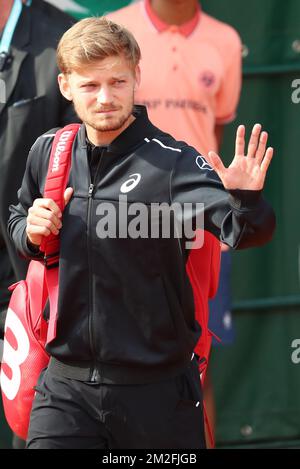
248,171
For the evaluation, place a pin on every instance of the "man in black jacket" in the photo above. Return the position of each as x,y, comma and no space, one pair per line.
122,373
31,104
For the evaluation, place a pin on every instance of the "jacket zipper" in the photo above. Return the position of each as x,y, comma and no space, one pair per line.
94,371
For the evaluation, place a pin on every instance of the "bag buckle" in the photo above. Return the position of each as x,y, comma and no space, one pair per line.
51,260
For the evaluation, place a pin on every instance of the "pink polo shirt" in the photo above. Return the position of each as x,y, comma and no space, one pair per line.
191,74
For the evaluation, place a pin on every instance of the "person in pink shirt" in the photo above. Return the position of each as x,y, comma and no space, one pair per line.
191,69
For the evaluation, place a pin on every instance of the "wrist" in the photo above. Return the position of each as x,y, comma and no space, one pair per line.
35,248
244,199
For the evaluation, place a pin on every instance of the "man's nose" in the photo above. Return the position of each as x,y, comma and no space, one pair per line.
104,95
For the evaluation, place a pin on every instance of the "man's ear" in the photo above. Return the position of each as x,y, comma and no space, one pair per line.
64,86
137,77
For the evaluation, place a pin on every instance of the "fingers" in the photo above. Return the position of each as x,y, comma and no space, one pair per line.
207,157
45,222
43,213
253,142
240,141
261,147
48,204
257,148
216,163
67,195
34,232
44,218
267,159
40,216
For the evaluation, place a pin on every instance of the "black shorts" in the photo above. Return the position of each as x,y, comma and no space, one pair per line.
70,414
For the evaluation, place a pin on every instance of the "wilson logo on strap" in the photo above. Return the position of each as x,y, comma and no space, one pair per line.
61,147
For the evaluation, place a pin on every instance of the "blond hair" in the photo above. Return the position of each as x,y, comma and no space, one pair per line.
93,39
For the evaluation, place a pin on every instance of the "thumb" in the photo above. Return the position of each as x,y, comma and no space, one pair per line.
68,194
216,162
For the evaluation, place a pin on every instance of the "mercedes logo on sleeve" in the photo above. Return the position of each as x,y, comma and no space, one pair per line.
202,163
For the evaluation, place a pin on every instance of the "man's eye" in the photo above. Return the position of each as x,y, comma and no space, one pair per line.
119,82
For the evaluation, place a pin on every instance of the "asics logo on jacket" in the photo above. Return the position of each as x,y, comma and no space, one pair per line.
127,186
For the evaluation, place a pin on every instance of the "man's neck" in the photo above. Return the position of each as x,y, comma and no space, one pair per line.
99,138
5,9
175,11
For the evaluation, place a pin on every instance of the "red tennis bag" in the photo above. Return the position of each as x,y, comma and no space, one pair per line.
26,331
203,269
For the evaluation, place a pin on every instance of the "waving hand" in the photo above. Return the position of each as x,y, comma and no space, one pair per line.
247,171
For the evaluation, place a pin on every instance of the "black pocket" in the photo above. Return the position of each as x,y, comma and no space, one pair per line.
187,420
39,391
189,386
39,387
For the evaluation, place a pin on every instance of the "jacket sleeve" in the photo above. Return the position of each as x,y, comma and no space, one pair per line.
239,218
28,192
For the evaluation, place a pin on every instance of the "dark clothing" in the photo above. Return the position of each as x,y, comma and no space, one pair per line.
94,158
220,316
167,414
5,281
33,105
126,306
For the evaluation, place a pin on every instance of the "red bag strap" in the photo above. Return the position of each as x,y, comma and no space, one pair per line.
56,182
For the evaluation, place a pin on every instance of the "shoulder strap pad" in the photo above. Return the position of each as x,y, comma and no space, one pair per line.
56,181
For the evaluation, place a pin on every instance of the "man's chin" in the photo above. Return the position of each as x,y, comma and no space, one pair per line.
110,125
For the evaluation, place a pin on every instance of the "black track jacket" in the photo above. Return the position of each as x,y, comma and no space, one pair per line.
126,305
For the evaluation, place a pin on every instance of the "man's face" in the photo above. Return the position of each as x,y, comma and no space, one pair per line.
102,92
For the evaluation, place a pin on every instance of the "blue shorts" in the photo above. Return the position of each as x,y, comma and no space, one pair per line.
220,317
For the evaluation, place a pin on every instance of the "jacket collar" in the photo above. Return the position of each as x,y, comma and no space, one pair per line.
131,137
